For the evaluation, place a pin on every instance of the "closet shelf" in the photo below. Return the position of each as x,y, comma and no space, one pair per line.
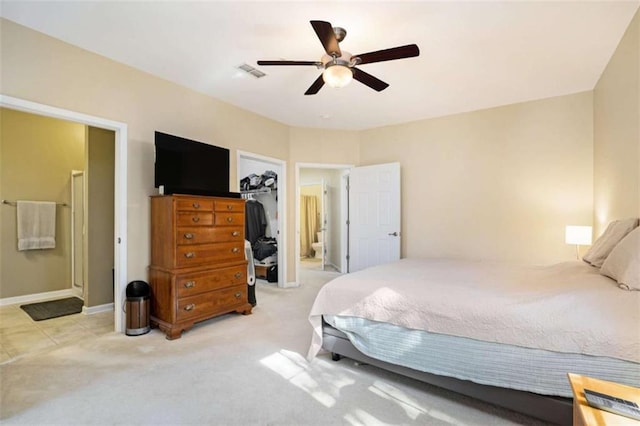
264,190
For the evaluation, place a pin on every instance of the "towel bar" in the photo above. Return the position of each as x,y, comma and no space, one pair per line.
13,203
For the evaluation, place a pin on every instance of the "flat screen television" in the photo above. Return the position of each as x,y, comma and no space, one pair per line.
184,166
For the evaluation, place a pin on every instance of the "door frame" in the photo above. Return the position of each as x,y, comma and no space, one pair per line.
282,209
344,210
120,186
74,212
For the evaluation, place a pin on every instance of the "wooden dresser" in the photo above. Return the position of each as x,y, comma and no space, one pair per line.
198,268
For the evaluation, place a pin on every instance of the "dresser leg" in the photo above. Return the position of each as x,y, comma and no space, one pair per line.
173,333
245,310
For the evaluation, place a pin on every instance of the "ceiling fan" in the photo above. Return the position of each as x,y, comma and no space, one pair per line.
340,66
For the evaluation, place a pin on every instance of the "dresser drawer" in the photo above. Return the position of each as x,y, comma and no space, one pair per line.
192,284
228,205
200,235
198,268
198,204
224,219
198,254
205,304
194,218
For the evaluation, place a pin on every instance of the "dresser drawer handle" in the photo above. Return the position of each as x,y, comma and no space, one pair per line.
229,219
196,205
195,219
188,236
238,275
238,295
235,250
190,284
190,307
229,207
190,255
235,233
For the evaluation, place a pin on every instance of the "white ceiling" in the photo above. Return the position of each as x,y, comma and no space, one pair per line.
473,55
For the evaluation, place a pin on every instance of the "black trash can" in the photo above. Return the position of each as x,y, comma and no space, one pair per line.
137,308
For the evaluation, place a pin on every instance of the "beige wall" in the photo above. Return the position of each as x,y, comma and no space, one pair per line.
497,184
38,154
617,133
99,178
45,70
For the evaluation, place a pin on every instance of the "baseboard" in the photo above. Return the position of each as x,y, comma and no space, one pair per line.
290,284
97,309
333,265
37,297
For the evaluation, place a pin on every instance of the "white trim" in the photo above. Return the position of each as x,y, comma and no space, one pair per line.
344,220
97,309
282,210
37,297
77,293
72,225
120,185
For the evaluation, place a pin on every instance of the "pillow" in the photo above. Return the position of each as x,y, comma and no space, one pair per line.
623,263
601,248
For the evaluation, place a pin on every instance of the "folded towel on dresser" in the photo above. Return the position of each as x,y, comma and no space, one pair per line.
36,225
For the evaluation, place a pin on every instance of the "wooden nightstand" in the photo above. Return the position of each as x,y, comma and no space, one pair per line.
585,415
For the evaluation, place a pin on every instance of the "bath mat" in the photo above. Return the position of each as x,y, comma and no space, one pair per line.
54,308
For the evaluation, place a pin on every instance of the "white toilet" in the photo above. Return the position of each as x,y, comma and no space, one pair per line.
318,247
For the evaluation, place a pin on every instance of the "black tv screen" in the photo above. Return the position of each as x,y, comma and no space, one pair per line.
184,166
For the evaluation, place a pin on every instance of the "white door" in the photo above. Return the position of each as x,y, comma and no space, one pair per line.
77,230
374,215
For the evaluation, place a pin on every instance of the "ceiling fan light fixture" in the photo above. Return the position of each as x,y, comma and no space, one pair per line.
339,66
337,74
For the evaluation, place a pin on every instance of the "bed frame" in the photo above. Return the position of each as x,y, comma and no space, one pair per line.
548,408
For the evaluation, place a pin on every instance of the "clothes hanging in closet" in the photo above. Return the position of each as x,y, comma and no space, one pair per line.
255,221
265,247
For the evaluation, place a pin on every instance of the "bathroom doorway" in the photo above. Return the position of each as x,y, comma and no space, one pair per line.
321,245
118,189
314,226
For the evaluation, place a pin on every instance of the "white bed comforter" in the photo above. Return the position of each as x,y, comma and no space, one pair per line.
567,307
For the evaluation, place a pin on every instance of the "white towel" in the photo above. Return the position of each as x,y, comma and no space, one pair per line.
36,225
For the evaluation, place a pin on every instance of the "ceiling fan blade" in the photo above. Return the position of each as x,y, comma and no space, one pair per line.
400,52
316,63
316,86
327,37
369,80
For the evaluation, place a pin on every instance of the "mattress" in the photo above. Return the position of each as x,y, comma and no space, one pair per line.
487,363
503,322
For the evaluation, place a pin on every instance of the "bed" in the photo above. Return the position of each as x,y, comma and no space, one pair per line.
506,334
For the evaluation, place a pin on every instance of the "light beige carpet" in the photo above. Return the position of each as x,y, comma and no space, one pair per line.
233,370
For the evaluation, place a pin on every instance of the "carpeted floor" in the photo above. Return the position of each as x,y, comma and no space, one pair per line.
233,370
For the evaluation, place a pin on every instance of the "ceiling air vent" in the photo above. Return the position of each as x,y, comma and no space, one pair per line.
251,70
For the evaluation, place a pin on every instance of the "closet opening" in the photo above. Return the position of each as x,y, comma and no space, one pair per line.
262,183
